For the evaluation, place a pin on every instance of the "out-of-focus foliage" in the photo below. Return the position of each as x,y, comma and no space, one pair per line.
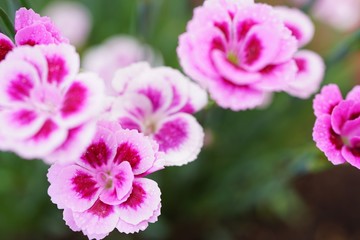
247,168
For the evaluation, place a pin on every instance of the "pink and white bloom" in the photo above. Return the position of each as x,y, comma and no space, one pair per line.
117,52
72,18
337,126
47,108
31,29
310,66
106,187
159,102
239,50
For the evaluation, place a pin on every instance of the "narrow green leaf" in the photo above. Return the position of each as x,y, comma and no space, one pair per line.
7,22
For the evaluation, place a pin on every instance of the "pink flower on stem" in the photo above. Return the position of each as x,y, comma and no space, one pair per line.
310,65
106,187
336,130
159,102
31,29
47,107
240,51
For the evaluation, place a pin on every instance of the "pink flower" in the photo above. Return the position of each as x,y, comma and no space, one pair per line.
47,107
31,29
105,188
117,52
336,130
72,18
310,65
240,51
159,102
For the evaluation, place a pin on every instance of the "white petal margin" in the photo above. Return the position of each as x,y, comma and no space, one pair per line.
142,203
298,23
181,137
309,76
125,75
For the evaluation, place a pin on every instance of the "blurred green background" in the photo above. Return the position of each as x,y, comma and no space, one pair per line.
259,176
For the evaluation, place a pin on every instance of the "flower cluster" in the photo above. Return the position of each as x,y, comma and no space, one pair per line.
243,51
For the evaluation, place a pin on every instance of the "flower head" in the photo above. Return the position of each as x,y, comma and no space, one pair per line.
106,187
336,130
159,102
240,51
47,107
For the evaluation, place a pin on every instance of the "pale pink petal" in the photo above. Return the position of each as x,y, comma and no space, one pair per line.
181,137
125,75
127,228
18,79
298,23
136,149
72,187
6,45
352,156
354,94
326,100
327,140
46,140
142,203
260,47
83,100
25,17
63,63
197,99
236,97
311,69
277,77
35,34
119,186
21,123
99,220
69,220
77,140
32,55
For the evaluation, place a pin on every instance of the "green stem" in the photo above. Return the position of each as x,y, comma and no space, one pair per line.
344,48
7,22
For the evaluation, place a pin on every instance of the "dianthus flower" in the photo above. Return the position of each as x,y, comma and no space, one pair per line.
46,108
159,102
239,50
310,66
106,187
336,130
30,29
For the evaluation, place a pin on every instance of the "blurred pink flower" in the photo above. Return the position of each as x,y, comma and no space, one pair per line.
105,188
240,51
31,29
117,52
336,130
159,102
310,66
72,18
46,106
344,16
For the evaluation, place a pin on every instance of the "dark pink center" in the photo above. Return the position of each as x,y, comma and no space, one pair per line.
224,28
301,64
155,96
20,87
253,50
74,99
57,69
172,134
46,130
5,47
244,27
294,31
126,152
25,116
97,154
84,184
101,209
136,197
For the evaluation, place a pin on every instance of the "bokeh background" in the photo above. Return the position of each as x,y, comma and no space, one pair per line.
259,176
